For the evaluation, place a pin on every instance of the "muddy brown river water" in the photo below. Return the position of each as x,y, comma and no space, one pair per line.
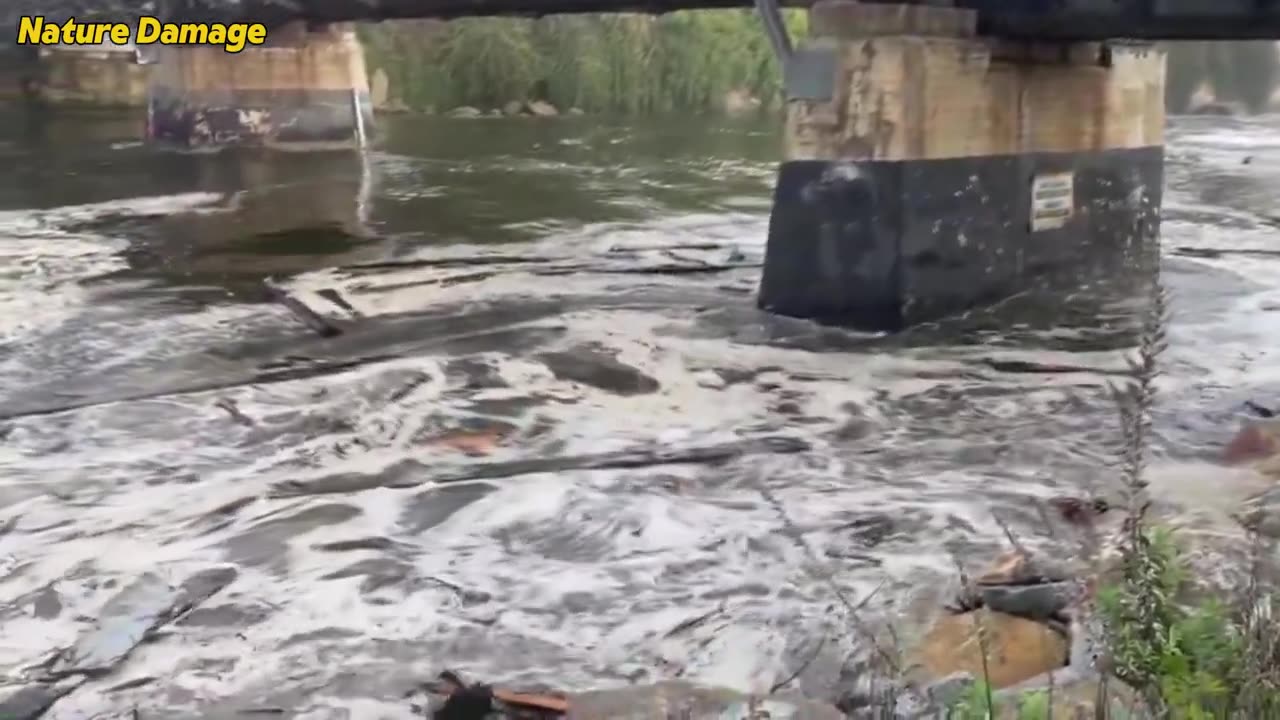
555,429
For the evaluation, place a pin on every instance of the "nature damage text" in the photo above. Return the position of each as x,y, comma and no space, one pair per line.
232,37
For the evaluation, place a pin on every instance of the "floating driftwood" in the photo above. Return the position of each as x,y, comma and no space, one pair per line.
320,325
127,619
1028,366
411,473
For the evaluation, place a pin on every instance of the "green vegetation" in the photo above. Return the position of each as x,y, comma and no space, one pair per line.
979,705
685,61
1203,660
1243,72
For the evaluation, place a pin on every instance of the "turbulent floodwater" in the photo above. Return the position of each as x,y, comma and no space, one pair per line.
516,290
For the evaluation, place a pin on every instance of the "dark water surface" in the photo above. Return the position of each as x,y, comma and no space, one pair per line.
524,456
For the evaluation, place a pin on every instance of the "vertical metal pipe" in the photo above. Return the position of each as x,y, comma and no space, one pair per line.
775,28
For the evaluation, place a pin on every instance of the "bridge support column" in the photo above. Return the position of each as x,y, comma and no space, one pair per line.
305,89
928,169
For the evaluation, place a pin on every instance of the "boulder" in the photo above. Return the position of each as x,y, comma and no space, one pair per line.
1025,585
379,89
1017,649
1034,602
1222,109
1261,513
515,107
1257,440
679,699
740,101
1020,568
465,111
542,108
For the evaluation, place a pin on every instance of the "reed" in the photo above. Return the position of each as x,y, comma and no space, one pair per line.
685,61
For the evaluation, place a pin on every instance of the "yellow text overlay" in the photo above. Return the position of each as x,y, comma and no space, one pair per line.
233,37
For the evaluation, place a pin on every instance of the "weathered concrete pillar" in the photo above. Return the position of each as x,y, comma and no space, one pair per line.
99,76
928,169
304,89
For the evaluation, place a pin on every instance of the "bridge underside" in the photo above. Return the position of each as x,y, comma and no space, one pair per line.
1039,19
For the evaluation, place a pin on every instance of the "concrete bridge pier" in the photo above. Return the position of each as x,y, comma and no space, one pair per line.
928,169
304,89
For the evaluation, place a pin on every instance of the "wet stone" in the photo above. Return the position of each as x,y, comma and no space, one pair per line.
1012,650
1258,439
475,436
1036,602
595,366
1016,568
1261,513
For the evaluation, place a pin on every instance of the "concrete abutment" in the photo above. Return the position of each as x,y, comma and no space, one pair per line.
928,169
305,89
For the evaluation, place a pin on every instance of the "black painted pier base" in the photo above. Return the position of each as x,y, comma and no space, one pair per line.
881,245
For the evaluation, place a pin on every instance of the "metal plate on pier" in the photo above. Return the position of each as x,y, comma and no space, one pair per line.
810,74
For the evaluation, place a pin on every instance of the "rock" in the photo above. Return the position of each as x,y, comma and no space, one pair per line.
1034,602
1261,513
679,699
480,437
542,108
1017,568
379,89
575,111
515,107
740,101
1017,649
1222,109
1257,440
494,113
1025,585
945,692
465,111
